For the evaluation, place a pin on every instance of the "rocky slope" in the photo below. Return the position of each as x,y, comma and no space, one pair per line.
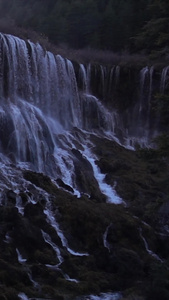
115,247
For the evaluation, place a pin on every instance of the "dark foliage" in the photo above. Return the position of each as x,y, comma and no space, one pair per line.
107,25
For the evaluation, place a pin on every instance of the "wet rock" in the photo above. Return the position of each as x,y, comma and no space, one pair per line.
85,179
11,195
164,211
67,187
40,180
126,263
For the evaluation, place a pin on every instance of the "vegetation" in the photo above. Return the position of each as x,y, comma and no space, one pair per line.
108,25
122,264
154,37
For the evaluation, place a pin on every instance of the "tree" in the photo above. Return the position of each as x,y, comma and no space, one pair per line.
82,23
154,37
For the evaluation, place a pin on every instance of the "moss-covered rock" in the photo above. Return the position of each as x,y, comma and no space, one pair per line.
118,249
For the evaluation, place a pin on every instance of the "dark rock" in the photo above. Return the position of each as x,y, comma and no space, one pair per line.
164,210
67,187
11,195
85,179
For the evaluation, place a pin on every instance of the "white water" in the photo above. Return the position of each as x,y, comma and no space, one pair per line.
117,74
7,238
60,258
19,205
70,279
35,284
103,296
164,79
147,248
106,189
104,120
22,296
43,103
21,260
40,103
85,76
105,242
150,85
53,245
143,75
52,221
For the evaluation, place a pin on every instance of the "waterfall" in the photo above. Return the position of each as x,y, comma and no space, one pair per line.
41,102
142,106
111,76
141,128
39,78
117,74
84,75
52,111
40,99
163,79
112,197
39,88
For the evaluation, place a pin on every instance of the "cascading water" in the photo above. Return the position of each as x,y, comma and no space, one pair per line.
112,197
51,219
20,258
164,79
56,249
46,120
147,248
140,131
39,101
22,296
103,296
135,121
105,242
